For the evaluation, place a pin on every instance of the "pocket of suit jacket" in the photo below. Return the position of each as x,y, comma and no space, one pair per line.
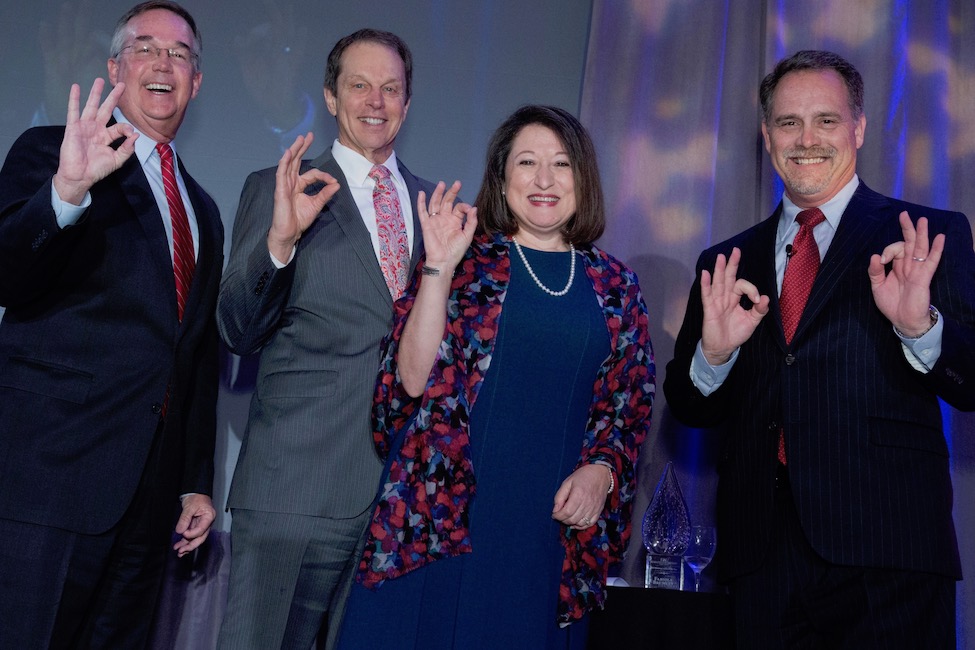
46,378
301,384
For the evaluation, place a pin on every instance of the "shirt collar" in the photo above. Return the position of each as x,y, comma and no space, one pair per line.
144,145
832,209
356,167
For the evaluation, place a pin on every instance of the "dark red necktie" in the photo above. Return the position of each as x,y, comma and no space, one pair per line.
800,273
184,260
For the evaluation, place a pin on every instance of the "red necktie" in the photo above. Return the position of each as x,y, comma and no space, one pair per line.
800,273
184,260
394,249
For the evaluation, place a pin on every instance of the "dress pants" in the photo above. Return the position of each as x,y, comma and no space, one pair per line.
289,576
796,599
61,589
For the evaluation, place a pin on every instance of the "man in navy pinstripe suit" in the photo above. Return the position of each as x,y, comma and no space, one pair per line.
848,543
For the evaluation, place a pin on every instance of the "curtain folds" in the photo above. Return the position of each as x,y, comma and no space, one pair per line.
670,95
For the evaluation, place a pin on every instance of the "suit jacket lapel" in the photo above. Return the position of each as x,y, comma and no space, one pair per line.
208,228
343,209
413,189
143,204
861,219
758,267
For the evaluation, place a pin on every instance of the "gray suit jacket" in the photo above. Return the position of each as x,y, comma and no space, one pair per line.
318,323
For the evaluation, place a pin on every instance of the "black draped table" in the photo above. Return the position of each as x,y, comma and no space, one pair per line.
660,619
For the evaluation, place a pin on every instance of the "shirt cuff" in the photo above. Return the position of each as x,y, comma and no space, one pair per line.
707,378
278,265
68,214
923,352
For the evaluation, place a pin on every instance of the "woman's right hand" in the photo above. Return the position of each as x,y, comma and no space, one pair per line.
448,228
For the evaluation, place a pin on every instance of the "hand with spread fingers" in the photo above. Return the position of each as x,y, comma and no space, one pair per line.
448,228
903,295
86,152
727,325
294,210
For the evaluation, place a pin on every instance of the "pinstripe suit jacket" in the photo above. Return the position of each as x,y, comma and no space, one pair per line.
318,323
868,461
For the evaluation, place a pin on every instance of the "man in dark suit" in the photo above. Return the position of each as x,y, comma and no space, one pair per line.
306,286
107,377
834,498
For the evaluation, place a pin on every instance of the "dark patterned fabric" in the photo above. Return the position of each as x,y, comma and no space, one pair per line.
421,514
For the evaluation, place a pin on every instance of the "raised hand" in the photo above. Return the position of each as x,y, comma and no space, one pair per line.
295,211
448,229
726,323
447,233
86,154
904,294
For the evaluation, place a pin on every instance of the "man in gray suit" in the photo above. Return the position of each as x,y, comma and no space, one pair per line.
305,285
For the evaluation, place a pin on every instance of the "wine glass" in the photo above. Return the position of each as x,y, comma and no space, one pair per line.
700,550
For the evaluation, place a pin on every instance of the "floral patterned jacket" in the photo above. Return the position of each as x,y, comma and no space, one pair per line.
421,513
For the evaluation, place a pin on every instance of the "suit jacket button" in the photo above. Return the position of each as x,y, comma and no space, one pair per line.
790,359
261,283
157,408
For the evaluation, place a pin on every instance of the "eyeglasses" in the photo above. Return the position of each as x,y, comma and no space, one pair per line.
179,54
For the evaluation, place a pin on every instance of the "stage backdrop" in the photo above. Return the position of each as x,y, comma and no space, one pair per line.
671,97
668,89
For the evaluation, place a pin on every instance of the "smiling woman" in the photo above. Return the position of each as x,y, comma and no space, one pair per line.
476,394
540,187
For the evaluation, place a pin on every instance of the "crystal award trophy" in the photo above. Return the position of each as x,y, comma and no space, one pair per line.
666,533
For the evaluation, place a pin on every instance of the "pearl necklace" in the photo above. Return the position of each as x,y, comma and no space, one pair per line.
531,271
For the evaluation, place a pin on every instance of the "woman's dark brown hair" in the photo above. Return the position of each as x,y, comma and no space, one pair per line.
493,214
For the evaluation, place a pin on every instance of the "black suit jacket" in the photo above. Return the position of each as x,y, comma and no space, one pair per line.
90,341
868,462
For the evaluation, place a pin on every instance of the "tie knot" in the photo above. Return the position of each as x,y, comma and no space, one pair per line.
379,173
811,217
165,151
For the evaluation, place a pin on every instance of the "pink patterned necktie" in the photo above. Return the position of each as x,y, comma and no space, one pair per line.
394,248
800,273
184,260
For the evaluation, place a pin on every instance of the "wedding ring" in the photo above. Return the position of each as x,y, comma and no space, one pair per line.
586,521
919,259
433,214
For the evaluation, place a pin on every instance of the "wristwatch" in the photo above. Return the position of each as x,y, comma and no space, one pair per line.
933,314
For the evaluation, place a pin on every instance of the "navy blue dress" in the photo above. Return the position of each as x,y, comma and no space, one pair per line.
527,427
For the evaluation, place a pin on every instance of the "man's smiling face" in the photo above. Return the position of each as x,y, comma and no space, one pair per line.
370,100
159,88
812,137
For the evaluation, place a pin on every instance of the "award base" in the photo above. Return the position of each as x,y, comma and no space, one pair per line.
664,572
